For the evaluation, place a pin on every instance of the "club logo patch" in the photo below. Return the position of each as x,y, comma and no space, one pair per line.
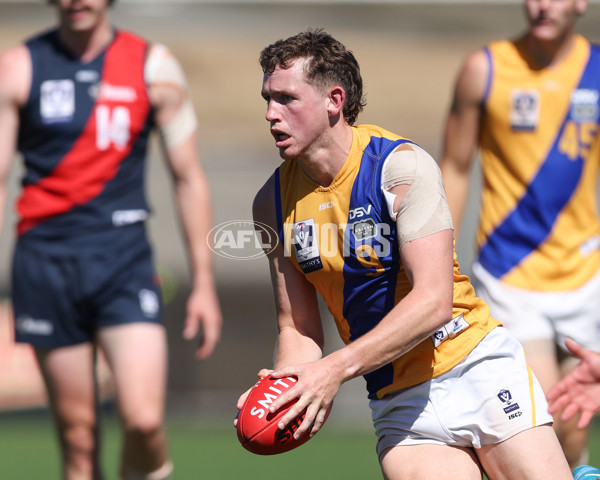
364,229
149,302
584,105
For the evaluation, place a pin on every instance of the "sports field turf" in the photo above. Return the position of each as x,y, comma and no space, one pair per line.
28,452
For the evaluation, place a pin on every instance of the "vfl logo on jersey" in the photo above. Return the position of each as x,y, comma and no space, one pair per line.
306,246
509,405
57,101
524,109
584,105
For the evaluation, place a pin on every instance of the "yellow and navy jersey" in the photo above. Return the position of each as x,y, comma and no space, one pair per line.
342,238
540,148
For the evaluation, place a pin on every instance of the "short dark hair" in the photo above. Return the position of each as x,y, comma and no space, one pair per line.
329,63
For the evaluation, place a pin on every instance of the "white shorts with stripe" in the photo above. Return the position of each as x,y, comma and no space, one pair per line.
531,315
487,398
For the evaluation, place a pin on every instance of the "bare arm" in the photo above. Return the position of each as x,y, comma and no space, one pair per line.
429,265
462,132
169,96
300,336
15,82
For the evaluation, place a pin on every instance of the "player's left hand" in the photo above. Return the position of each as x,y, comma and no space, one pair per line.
318,384
203,310
264,372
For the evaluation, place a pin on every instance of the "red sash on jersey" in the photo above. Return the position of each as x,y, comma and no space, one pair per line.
117,118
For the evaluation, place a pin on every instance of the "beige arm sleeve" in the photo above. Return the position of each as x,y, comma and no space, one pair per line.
162,68
424,209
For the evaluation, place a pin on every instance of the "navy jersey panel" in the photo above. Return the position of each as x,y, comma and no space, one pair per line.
44,140
83,136
369,296
63,299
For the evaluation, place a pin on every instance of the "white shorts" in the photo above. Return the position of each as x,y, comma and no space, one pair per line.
487,398
543,315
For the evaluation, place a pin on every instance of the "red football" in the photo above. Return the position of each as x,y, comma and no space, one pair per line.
257,428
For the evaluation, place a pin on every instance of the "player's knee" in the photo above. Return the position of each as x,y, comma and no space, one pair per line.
144,427
573,442
575,452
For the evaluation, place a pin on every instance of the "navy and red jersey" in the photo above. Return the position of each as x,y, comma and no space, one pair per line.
83,136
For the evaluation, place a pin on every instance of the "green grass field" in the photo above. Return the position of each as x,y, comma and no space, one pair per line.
28,451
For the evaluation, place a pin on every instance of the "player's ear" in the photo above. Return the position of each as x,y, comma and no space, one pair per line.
336,97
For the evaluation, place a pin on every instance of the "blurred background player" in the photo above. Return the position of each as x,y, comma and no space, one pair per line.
363,220
79,102
579,391
532,107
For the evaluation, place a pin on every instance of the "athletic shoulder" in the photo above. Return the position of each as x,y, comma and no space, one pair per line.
169,93
472,78
15,74
161,62
414,193
476,64
408,163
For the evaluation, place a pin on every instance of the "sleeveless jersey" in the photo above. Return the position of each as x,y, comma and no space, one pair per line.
540,149
83,136
342,238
